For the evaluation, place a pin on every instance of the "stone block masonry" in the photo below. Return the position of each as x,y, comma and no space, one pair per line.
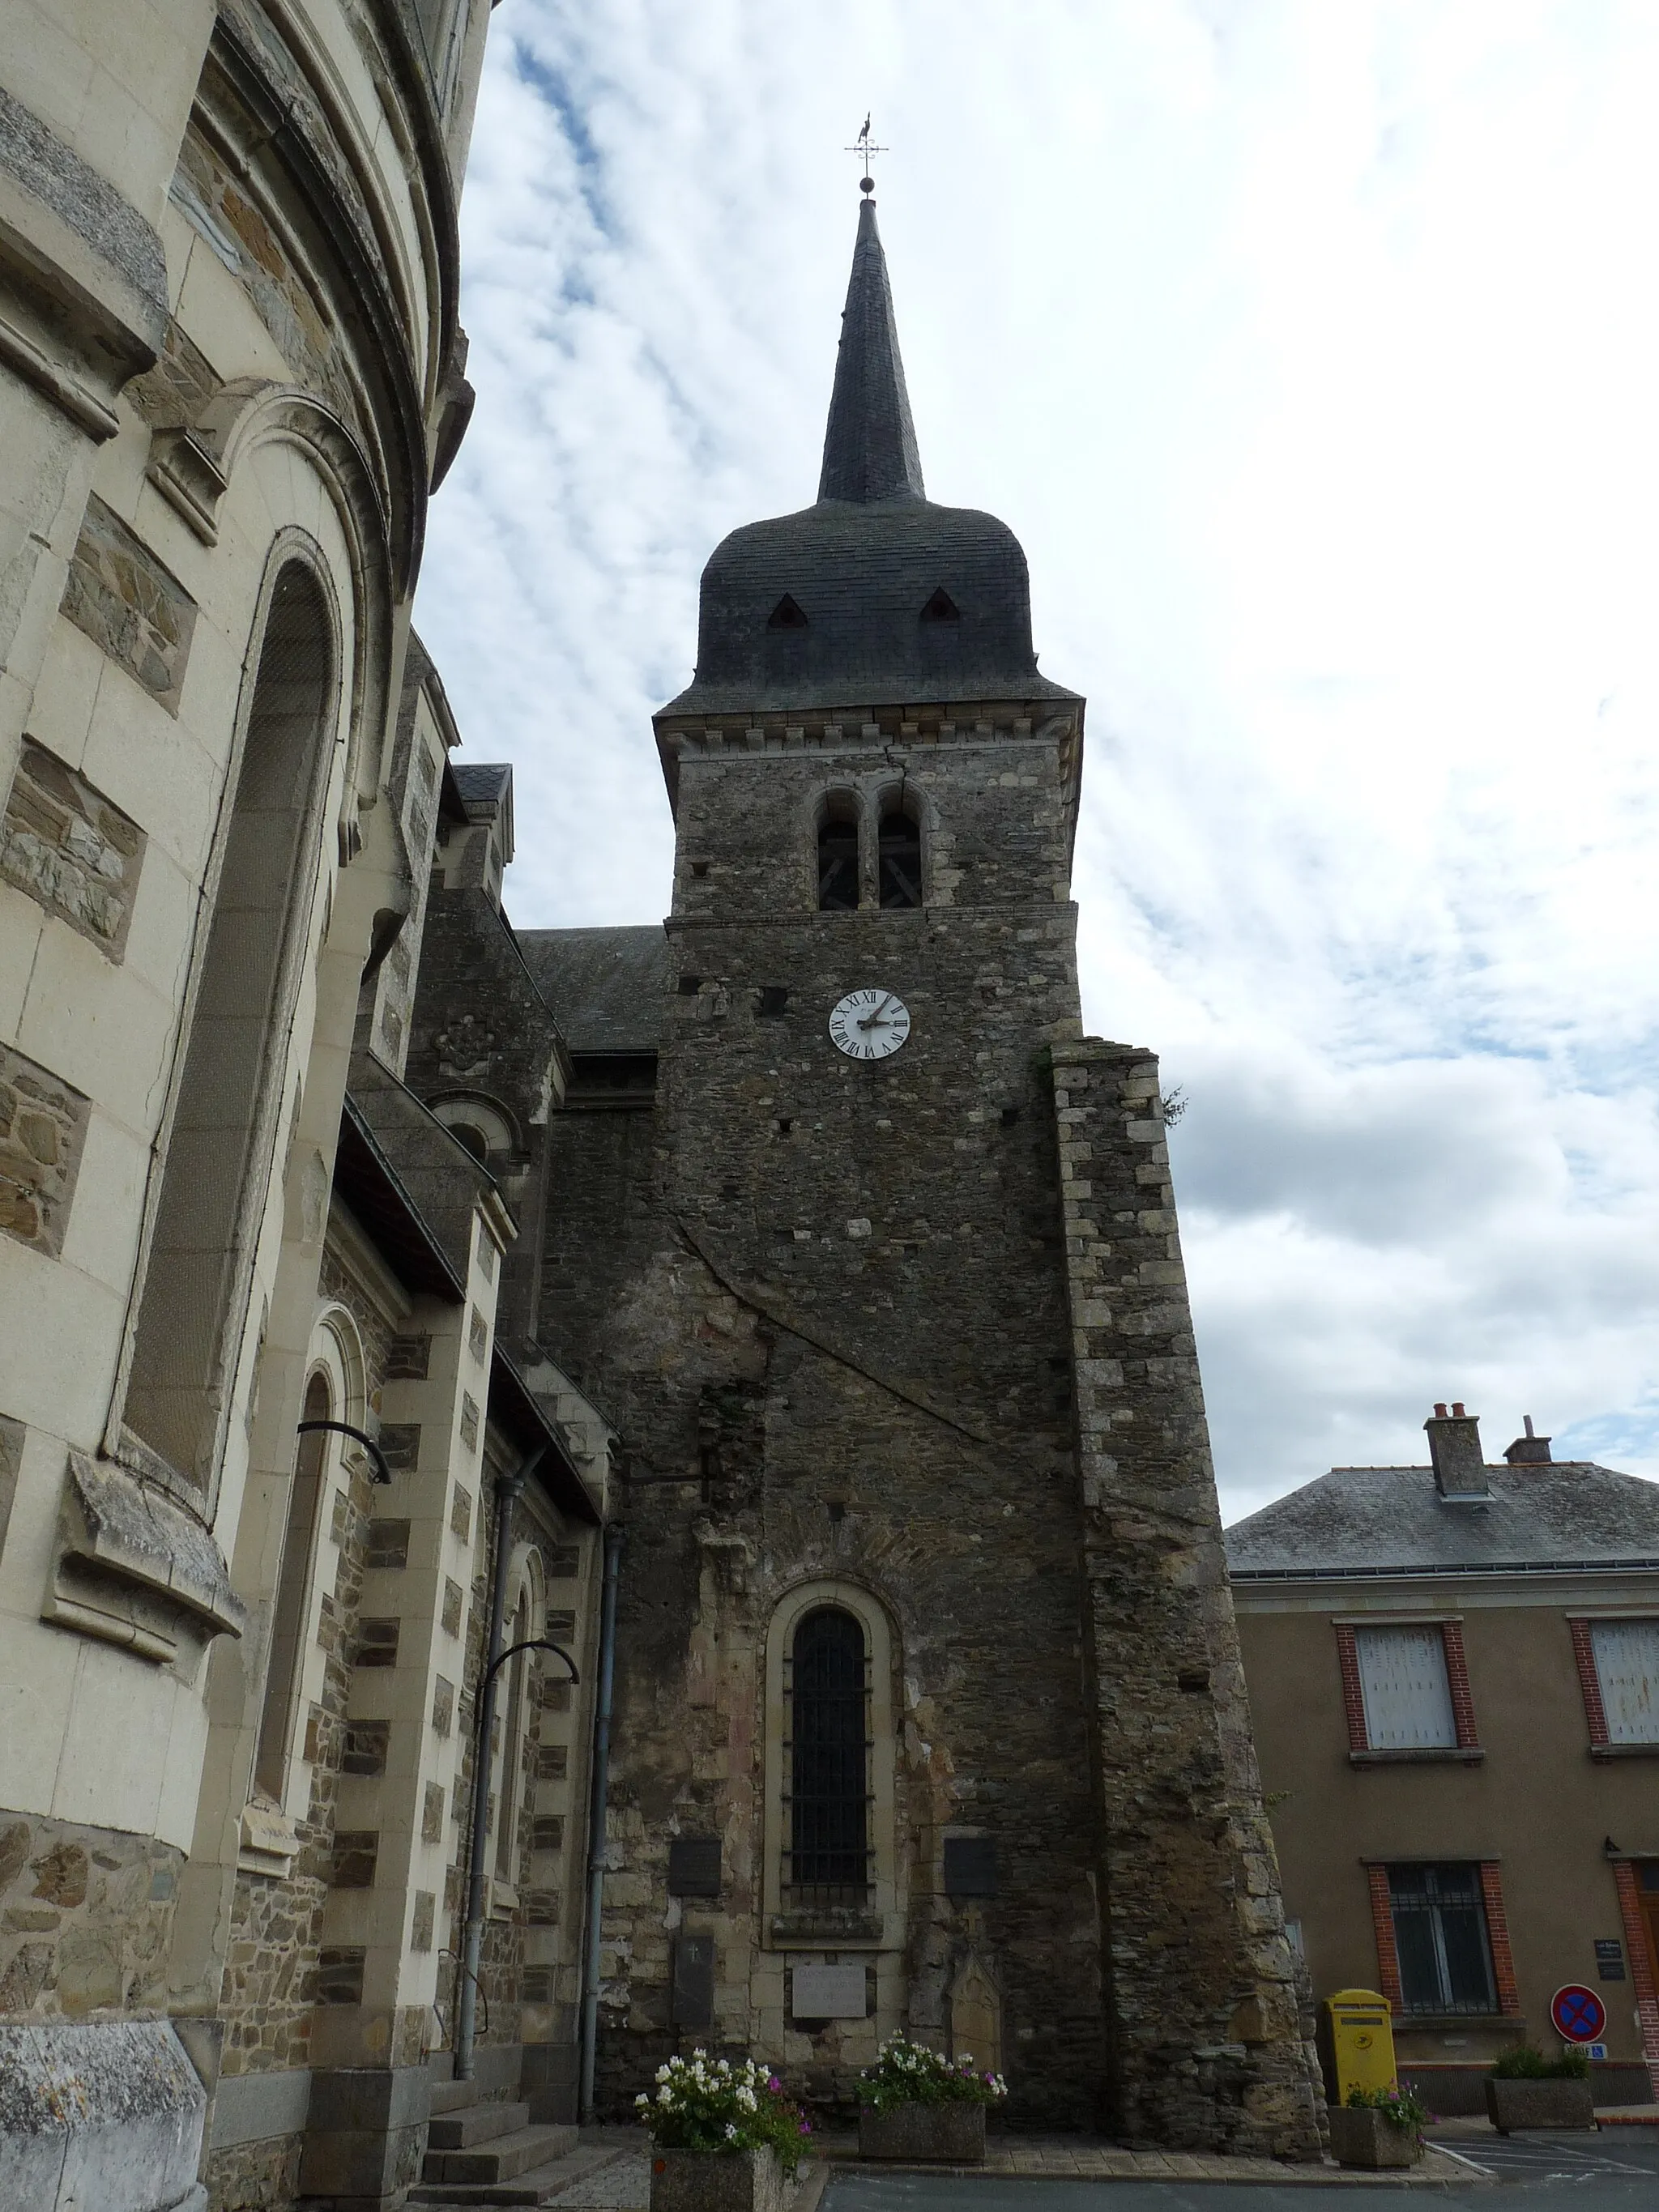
43,1132
1208,2048
71,849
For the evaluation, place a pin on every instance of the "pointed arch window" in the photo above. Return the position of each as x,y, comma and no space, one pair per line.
828,1756
899,850
787,615
941,608
838,857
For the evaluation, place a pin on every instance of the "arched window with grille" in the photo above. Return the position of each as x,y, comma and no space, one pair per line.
830,1757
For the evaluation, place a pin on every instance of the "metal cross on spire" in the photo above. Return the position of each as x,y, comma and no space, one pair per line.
864,149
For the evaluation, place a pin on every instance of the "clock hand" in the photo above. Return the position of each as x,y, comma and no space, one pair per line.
870,1020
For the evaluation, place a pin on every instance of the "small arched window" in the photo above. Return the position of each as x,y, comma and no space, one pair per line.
838,858
469,1134
899,848
828,1757
288,1623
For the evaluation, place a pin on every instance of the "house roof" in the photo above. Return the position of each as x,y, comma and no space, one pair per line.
606,987
1363,1521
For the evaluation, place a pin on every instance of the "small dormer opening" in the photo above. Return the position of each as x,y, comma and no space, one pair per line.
941,608
787,615
899,849
838,857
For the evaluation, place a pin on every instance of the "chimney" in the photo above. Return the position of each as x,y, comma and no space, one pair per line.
1460,1472
1528,1450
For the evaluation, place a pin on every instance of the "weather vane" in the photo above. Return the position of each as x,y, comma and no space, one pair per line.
864,150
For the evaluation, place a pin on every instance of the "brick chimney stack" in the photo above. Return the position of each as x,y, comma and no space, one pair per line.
1528,1450
1460,1471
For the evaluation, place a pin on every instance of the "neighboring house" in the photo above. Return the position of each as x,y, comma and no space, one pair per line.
1454,1671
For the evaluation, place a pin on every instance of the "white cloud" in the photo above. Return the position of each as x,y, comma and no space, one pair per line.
1310,351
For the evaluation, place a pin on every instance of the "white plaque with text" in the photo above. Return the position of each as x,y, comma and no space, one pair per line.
828,1992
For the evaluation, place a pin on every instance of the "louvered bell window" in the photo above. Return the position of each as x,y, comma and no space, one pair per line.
1402,1677
1627,1666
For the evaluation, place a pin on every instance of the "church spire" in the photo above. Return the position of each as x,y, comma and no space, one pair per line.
869,443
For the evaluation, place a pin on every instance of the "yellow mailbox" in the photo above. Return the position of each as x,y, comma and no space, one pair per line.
1362,2042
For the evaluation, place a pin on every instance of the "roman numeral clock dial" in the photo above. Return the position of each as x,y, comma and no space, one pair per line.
869,1024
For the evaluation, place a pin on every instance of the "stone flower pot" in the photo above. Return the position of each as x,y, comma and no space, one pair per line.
715,2181
1559,2104
953,2133
1363,2136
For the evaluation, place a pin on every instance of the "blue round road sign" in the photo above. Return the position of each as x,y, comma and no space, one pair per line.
1578,2014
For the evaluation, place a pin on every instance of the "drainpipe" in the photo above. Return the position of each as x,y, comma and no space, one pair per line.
507,1489
613,1537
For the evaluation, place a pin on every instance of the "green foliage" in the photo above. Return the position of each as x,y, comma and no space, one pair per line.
1522,2062
907,2073
1398,2106
715,2104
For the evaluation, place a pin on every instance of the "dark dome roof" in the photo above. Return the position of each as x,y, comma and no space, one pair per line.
861,573
840,604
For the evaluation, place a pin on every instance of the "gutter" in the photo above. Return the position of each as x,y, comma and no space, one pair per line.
596,1823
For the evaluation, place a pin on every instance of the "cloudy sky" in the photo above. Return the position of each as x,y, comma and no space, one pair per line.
1313,352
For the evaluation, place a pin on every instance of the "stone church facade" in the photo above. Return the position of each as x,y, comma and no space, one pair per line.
383,1290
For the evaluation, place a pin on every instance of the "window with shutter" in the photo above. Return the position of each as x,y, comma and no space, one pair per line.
1402,1675
1627,1668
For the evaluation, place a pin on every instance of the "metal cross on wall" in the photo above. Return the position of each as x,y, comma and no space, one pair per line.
864,148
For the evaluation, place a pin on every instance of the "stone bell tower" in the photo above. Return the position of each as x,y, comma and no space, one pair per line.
930,1711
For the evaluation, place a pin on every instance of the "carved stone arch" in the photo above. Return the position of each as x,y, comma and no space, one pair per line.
897,796
250,413
481,1110
336,1335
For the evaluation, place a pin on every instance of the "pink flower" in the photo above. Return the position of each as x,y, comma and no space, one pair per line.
806,2127
775,2083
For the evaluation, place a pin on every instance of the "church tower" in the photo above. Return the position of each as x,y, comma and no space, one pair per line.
929,1712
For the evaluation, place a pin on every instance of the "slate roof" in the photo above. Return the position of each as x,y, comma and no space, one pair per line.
870,441
606,987
1367,1520
863,562
485,783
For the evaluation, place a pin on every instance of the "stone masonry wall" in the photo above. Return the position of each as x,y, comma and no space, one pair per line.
839,1348
1208,2051
86,1917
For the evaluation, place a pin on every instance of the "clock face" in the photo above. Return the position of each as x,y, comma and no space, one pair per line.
870,1024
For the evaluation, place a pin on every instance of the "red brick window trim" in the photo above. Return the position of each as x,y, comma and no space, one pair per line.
1498,1935
1589,1681
1387,1957
1641,1963
1457,1682
1353,1703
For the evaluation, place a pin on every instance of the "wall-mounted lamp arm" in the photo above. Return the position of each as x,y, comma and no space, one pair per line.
382,1472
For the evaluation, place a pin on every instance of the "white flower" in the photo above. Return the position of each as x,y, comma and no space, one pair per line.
731,2132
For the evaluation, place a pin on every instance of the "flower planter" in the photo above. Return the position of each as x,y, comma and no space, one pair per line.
1363,2136
1523,2104
953,2133
715,2181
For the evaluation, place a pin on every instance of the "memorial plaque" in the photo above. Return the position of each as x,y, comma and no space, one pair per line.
821,1992
694,1866
971,1866
1609,1958
694,1981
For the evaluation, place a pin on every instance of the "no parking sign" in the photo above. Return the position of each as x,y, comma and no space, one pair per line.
1577,2015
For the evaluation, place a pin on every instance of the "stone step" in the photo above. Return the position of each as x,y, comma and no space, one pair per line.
538,2185
503,2159
453,2096
475,2124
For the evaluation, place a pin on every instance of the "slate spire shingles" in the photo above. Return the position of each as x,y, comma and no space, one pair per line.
869,443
